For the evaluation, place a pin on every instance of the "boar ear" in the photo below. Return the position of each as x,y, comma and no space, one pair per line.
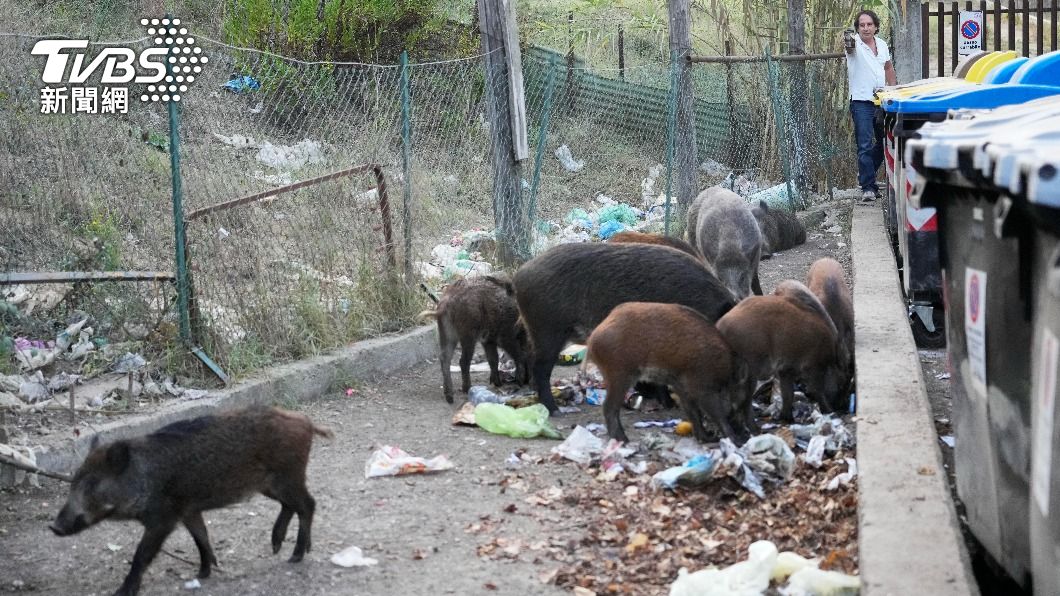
764,206
118,457
94,442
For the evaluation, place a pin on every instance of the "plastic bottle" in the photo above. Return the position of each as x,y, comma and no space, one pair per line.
479,394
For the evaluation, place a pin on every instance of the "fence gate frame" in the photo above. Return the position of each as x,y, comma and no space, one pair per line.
992,28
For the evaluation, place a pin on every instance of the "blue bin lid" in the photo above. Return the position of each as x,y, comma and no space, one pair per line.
1003,72
1032,79
1043,70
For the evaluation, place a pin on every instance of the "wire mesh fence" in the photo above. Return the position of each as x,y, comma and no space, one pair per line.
79,193
307,270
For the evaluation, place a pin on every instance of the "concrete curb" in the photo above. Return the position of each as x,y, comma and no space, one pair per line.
909,539
296,381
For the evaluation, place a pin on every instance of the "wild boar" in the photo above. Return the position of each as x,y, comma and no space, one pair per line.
828,282
479,309
781,337
726,232
566,291
670,344
175,473
643,238
781,229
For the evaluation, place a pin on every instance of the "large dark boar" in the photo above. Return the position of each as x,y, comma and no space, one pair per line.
828,282
781,230
566,291
670,344
722,227
631,236
174,474
479,309
783,338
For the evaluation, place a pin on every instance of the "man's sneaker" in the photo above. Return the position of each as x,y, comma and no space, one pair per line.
868,196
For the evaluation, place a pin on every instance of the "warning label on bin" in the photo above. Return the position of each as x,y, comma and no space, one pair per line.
971,39
975,325
1044,398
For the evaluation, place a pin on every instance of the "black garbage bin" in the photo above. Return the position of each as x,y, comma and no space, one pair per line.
1043,205
990,255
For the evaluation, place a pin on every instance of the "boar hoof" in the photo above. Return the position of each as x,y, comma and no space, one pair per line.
296,558
448,398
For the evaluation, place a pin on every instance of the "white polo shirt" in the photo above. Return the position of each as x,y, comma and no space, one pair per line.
865,69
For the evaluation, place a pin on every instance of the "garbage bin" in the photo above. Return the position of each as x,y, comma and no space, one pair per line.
992,261
1027,168
913,231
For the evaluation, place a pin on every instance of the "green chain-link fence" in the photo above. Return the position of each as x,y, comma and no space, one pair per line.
307,270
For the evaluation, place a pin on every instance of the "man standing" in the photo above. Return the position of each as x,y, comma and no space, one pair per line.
868,68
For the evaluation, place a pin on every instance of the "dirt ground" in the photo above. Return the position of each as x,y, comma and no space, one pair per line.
542,527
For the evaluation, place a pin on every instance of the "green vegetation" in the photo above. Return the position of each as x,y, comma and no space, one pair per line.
342,30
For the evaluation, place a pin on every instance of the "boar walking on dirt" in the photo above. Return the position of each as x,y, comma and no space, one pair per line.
722,227
828,282
781,337
479,309
630,236
569,289
781,230
174,474
671,344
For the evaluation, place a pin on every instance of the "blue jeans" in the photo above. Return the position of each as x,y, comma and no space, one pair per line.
869,137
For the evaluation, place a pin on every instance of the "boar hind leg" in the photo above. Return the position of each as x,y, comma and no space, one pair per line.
279,529
155,534
490,348
197,527
546,352
467,350
617,386
294,498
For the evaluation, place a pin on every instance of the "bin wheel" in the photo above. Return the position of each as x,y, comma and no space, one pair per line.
930,340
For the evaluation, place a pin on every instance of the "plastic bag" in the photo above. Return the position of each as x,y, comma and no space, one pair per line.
610,228
388,460
523,423
621,213
580,446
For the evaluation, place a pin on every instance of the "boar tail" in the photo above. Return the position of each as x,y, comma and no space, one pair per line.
427,314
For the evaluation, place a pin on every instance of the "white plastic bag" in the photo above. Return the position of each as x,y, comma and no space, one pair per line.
388,460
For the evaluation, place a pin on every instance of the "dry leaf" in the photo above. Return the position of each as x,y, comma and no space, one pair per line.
639,540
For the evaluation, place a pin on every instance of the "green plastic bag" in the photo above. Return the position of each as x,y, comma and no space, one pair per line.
522,423
621,213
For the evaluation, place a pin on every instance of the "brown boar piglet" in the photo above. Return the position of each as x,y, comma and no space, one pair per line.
781,337
172,475
673,345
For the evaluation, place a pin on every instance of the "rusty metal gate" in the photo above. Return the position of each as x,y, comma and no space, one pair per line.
1027,26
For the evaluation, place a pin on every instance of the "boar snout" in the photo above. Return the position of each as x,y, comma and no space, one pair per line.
68,523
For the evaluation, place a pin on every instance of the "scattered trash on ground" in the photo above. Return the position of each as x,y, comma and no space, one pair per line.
242,84
388,460
565,157
352,556
764,564
528,422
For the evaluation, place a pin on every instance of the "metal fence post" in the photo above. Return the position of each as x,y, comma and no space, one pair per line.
782,143
542,137
406,165
671,130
